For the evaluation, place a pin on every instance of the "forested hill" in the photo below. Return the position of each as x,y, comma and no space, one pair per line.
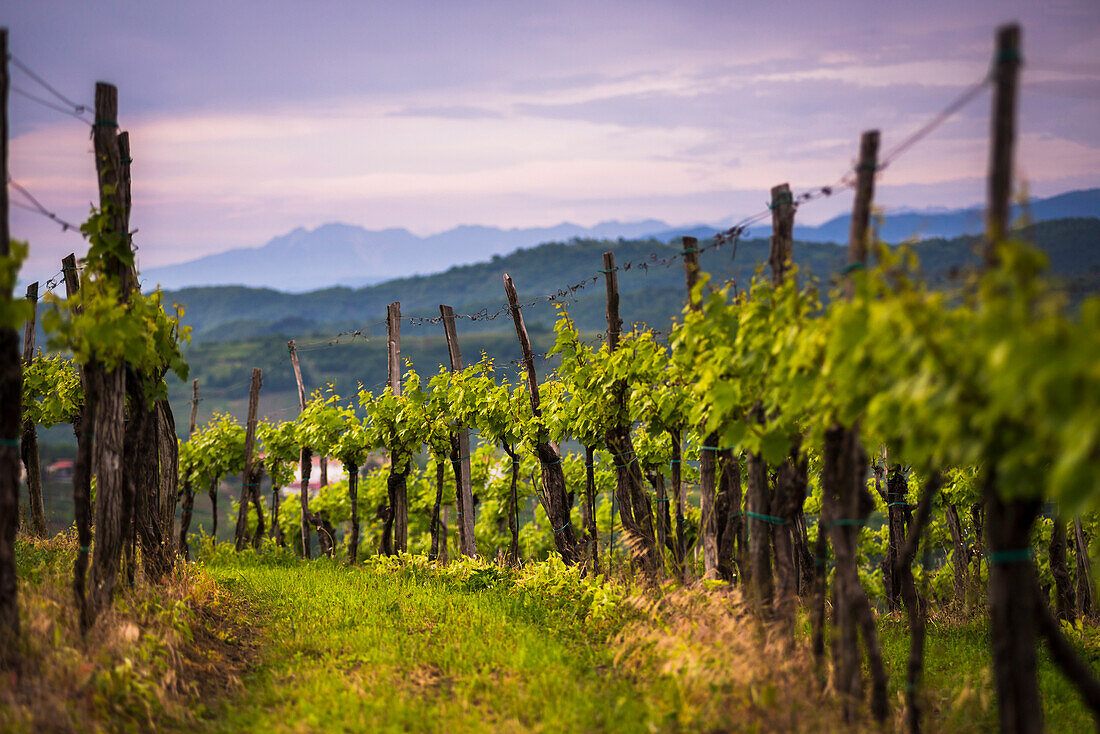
652,295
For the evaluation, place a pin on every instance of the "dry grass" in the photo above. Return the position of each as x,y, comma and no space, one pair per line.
153,659
727,671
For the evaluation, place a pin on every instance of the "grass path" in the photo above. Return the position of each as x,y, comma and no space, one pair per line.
357,650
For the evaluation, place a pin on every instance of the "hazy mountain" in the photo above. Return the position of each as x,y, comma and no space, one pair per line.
347,255
904,225
344,254
900,225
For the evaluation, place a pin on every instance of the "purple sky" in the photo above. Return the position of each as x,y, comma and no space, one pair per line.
248,119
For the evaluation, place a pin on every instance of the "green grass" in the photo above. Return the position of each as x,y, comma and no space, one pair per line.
958,682
358,649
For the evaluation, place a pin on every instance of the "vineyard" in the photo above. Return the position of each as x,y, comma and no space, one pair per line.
818,478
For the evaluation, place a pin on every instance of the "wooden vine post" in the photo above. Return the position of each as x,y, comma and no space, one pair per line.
1084,596
148,502
1012,598
553,478
108,386
787,524
846,502
689,252
306,457
253,471
460,453
194,408
766,527
168,459
11,400
29,443
708,454
82,465
635,509
1018,609
396,483
188,506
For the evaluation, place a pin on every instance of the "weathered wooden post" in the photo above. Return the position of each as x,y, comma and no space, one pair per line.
146,512
250,478
29,443
188,505
397,480
708,454
306,457
553,478
11,398
635,510
1006,74
782,241
194,407
83,424
846,503
109,385
460,452
1012,596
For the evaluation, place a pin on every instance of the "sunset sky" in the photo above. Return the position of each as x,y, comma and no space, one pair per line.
248,119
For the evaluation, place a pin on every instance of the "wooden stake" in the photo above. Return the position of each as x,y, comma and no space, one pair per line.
553,478
690,253
635,509
782,206
83,422
109,387
297,374
397,483
125,188
194,408
393,346
845,494
11,396
1006,75
306,457
708,535
1085,595
466,540
611,280
29,442
250,478
861,211
524,345
188,490
28,327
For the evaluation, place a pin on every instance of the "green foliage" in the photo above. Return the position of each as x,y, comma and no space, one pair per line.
95,325
281,450
216,450
398,423
13,311
52,392
107,246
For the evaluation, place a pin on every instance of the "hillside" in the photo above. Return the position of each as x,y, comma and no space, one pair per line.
239,328
652,295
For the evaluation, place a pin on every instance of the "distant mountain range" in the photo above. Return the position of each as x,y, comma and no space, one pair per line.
653,290
347,255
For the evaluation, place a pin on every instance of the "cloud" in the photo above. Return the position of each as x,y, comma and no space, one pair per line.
453,112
